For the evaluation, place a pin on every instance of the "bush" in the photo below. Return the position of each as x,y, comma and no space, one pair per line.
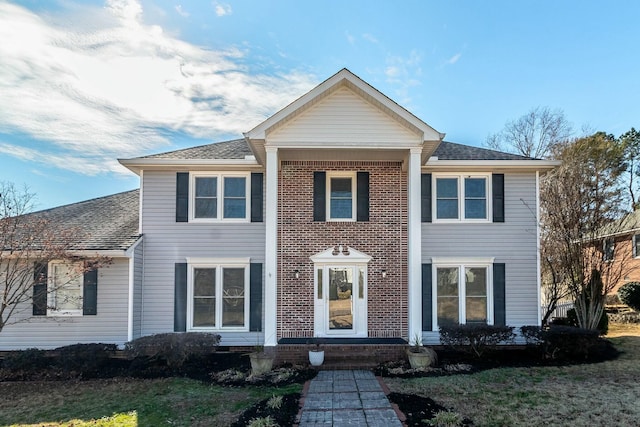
173,348
572,320
571,343
629,294
533,335
85,359
475,338
26,360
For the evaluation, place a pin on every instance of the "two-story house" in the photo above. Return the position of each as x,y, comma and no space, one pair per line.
342,216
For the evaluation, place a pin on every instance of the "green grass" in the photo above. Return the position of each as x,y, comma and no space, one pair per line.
602,394
127,402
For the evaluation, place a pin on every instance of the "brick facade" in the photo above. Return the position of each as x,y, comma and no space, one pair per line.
383,237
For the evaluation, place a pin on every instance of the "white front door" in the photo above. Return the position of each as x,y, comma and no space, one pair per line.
341,301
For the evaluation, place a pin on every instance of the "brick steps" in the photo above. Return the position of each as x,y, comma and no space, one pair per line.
342,356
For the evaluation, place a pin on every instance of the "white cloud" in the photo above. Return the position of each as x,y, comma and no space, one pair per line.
350,38
90,95
181,11
222,9
454,59
370,38
404,73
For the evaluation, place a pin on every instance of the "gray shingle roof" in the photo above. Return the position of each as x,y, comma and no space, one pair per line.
105,223
238,149
452,151
234,149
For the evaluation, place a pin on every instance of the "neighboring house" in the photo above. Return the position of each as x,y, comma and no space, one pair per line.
620,245
342,216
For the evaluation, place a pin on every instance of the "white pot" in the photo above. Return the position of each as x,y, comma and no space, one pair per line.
316,357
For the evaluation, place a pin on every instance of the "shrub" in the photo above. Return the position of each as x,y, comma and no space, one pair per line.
572,320
570,343
532,334
26,360
173,348
629,294
475,338
445,419
86,359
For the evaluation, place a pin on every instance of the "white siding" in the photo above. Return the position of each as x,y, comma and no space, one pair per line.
343,119
108,326
512,242
167,242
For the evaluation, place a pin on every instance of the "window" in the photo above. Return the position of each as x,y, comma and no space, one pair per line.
65,288
636,245
608,249
462,197
218,295
342,200
463,294
219,197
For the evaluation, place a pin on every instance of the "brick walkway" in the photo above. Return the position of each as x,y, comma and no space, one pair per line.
347,398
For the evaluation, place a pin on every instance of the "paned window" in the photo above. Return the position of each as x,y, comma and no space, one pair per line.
462,294
341,197
218,296
461,198
65,288
220,197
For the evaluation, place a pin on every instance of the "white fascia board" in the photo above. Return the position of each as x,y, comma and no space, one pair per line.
112,253
136,165
540,165
129,252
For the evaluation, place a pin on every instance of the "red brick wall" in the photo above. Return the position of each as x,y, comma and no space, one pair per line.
383,237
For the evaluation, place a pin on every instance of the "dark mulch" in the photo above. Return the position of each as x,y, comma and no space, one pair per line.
281,376
418,409
284,415
451,362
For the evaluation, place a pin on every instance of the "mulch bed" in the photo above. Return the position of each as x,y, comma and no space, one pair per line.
418,409
283,415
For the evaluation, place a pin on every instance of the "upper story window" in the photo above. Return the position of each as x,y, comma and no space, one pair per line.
462,197
342,197
635,242
219,197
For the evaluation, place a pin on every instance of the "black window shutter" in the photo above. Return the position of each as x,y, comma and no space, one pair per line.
427,297
362,203
499,301
425,197
498,196
319,196
90,293
40,289
255,297
256,197
180,298
182,197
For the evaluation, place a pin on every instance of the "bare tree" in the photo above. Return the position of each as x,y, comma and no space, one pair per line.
29,240
581,215
532,135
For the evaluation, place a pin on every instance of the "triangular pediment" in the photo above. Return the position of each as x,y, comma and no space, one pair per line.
340,254
343,112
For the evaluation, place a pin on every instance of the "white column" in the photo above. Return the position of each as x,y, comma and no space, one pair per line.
414,251
271,249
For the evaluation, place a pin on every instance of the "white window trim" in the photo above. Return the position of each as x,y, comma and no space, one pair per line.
354,196
218,264
220,195
461,264
461,197
52,290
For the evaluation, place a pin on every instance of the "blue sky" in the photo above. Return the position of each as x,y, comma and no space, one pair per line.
85,83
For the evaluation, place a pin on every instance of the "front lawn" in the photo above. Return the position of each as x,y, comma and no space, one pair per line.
599,394
127,402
